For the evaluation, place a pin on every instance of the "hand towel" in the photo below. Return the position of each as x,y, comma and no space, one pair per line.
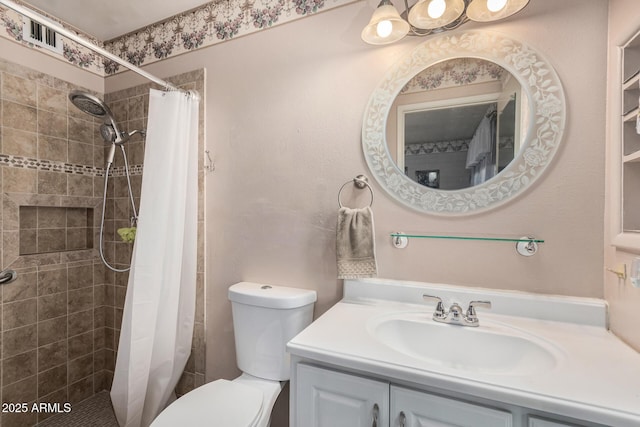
355,244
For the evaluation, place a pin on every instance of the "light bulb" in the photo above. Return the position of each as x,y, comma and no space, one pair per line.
496,5
436,8
384,28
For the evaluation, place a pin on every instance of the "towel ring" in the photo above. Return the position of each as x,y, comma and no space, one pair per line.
360,181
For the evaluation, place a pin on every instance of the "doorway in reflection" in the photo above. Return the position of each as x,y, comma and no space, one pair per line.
463,150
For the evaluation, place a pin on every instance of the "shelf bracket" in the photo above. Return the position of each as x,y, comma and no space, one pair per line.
399,240
527,248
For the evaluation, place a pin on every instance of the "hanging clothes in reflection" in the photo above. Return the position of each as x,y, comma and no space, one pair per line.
481,154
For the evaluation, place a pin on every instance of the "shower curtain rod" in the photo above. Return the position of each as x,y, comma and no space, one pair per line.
70,35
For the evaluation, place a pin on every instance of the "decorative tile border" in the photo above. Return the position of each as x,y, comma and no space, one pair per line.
48,165
121,171
204,26
8,160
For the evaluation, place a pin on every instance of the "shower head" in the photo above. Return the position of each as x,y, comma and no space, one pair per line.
95,107
90,104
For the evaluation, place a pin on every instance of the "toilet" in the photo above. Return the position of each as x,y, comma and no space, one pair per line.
265,318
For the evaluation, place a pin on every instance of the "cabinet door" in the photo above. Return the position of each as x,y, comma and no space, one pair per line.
331,399
411,408
539,422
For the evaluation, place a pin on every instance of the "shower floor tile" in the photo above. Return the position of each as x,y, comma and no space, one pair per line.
93,412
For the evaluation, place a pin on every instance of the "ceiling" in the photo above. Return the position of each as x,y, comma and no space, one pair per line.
457,123
443,124
106,20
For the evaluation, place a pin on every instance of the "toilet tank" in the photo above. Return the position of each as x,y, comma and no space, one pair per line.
265,318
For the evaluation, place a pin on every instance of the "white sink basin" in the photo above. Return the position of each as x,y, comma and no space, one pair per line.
491,348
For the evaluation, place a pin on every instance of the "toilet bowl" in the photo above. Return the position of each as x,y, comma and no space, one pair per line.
265,318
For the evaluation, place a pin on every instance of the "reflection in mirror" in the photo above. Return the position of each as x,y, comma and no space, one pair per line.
457,123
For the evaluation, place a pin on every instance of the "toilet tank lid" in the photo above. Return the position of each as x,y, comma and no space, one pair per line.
270,296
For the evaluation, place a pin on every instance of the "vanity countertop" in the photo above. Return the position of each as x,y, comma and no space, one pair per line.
595,376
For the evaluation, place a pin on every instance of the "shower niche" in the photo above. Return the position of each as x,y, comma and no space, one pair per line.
46,229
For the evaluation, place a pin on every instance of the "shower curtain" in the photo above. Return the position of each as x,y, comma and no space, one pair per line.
157,324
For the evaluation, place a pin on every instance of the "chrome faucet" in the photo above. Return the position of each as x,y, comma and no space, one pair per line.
455,315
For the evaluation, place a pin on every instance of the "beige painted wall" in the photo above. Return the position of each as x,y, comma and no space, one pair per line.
284,111
624,300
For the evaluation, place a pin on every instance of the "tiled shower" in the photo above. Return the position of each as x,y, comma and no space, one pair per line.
60,319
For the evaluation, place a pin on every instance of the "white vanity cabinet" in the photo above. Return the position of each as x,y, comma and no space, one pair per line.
326,398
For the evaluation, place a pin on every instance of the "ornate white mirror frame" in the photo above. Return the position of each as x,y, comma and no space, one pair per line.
546,123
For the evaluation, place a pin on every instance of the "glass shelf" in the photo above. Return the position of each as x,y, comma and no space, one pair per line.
481,238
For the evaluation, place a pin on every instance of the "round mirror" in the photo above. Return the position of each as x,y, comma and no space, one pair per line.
463,123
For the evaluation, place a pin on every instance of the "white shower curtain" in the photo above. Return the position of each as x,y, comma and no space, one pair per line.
157,324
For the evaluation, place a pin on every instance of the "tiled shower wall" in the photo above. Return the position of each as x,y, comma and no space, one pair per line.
53,316
130,107
60,320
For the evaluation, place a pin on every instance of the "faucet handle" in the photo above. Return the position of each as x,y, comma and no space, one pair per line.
471,311
439,306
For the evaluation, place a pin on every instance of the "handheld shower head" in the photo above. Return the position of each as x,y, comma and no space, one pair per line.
111,155
108,133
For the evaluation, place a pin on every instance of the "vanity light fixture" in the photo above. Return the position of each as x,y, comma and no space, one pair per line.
433,16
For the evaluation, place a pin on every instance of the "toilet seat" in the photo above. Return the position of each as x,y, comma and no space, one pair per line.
218,403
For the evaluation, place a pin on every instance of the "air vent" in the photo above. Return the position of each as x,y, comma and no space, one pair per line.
41,35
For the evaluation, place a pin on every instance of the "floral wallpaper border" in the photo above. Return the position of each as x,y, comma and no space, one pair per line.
437,147
455,72
449,146
74,53
209,24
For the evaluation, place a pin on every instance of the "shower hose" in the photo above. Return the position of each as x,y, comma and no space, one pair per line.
134,216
